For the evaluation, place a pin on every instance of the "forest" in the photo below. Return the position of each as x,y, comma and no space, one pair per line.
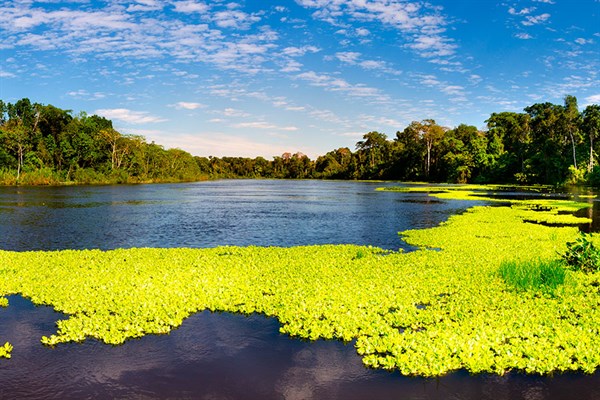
546,143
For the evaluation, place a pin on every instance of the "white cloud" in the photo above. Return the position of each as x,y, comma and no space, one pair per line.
263,125
362,32
353,58
335,84
583,41
4,74
420,23
524,11
188,106
191,6
115,33
84,94
293,51
523,35
594,99
349,57
234,19
146,5
129,116
232,112
535,20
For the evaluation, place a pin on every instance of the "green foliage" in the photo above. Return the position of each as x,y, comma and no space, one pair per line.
582,254
533,275
576,176
421,313
536,146
44,145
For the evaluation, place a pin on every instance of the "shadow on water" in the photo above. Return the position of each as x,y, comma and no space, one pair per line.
226,356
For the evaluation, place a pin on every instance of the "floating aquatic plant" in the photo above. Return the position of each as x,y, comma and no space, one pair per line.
422,313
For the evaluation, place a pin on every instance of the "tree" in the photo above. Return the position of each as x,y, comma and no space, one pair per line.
572,122
464,153
591,126
374,147
21,129
509,134
550,142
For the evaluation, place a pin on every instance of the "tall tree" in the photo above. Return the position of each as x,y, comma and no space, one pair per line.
591,126
373,146
572,122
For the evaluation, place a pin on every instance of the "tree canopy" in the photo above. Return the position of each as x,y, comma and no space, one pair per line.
546,143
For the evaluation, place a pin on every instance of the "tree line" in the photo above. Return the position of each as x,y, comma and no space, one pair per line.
43,144
546,143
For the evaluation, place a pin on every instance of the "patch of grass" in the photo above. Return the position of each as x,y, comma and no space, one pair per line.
533,275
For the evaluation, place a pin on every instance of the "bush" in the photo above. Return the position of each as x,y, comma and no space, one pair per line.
582,255
594,177
533,275
575,176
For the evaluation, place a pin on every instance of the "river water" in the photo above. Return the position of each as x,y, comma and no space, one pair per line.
223,356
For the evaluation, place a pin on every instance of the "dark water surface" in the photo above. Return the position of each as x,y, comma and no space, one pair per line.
208,214
223,356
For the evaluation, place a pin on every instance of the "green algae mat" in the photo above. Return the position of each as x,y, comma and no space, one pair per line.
441,308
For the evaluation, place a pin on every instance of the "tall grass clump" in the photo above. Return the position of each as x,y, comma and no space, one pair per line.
533,275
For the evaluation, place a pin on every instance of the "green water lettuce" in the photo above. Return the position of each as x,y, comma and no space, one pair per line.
441,308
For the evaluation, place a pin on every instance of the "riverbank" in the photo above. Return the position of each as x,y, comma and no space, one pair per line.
47,177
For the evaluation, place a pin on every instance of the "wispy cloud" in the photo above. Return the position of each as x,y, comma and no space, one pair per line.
336,84
85,95
422,25
129,116
523,35
190,6
118,33
263,125
184,105
593,99
535,19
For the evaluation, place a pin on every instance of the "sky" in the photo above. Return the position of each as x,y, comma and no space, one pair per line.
263,77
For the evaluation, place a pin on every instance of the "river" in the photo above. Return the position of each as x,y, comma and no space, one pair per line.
224,356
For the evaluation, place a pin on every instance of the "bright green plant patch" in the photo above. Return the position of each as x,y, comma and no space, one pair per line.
5,350
535,275
424,313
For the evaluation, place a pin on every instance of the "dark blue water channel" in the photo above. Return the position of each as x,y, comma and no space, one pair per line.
208,214
223,356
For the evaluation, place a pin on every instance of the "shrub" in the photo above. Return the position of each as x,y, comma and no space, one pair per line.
576,176
582,255
533,275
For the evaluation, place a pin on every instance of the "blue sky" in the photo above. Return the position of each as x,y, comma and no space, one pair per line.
260,77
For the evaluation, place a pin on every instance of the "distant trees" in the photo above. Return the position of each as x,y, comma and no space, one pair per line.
45,144
546,143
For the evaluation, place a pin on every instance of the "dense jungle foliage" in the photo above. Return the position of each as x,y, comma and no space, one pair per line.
43,144
547,143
